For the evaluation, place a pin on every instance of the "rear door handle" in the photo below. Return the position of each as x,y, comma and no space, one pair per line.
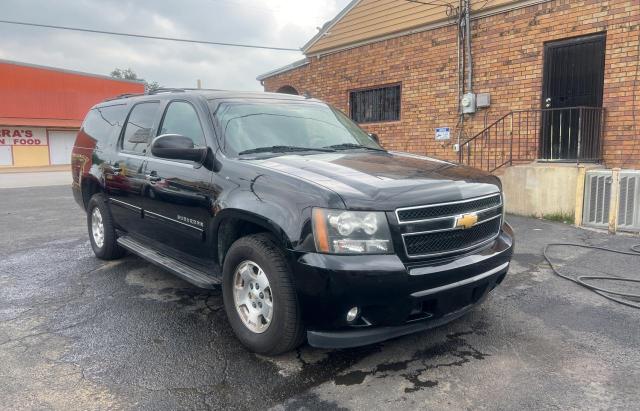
153,177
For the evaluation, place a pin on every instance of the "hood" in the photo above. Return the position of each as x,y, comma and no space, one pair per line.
370,180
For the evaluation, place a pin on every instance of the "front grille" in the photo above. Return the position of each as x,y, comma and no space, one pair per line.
446,241
431,230
439,210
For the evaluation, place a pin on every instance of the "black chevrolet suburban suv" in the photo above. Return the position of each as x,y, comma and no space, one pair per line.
310,227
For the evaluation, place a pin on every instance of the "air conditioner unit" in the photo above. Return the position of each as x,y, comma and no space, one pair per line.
629,206
597,199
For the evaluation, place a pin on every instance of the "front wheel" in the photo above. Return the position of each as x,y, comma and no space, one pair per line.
259,297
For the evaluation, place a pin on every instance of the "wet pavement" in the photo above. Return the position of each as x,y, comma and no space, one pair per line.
80,333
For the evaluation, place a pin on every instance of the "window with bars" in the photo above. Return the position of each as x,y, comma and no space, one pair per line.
375,104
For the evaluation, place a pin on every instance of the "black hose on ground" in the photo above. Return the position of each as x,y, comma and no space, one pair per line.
581,280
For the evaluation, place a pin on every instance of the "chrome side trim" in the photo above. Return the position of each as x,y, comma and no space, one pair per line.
168,162
124,203
443,204
136,156
467,281
172,220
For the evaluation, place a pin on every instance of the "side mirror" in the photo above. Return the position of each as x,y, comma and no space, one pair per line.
374,137
176,147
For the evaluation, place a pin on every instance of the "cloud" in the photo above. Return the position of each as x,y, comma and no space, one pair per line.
280,23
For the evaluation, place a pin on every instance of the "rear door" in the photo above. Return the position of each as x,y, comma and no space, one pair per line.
178,200
124,175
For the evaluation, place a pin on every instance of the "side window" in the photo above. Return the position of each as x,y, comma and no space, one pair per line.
181,118
101,122
138,130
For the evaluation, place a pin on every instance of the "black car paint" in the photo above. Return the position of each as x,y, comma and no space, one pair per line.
181,208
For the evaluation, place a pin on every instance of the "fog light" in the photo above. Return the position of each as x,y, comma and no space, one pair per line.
352,314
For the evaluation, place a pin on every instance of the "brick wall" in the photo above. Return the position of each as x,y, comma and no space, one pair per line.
508,60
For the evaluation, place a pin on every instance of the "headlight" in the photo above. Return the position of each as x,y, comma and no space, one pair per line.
351,232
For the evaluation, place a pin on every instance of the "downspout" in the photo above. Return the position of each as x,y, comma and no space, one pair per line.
467,17
460,71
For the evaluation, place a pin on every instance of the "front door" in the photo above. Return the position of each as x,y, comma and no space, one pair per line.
573,78
177,203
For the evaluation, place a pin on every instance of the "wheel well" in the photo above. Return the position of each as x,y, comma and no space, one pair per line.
89,188
232,229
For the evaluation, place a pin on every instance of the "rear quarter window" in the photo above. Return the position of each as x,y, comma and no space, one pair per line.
102,126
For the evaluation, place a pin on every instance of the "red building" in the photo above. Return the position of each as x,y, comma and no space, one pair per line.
42,108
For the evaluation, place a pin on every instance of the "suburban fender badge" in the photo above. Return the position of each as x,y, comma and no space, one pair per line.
466,221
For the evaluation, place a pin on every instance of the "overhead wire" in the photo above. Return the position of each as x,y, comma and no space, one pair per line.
144,36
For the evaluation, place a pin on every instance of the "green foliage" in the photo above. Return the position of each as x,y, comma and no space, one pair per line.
129,74
566,218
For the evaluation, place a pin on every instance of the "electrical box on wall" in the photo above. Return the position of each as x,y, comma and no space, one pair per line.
483,100
468,103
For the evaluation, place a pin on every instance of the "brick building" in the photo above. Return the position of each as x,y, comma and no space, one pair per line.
393,66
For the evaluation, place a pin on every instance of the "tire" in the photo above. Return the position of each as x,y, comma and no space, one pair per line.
109,249
285,330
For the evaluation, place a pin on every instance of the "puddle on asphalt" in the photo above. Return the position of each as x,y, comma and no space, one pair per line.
420,363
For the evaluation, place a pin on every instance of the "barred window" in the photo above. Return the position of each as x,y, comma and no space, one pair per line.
376,104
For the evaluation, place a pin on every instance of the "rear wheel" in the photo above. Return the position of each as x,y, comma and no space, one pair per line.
259,297
102,232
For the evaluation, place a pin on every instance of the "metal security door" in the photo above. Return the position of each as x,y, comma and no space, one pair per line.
573,79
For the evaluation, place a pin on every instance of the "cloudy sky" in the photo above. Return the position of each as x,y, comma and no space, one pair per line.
280,23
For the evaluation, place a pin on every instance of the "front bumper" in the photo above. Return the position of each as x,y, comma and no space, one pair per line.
395,297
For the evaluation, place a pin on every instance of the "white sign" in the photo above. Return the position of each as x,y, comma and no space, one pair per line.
20,136
443,133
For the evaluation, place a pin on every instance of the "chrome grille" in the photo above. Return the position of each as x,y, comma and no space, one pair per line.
413,214
431,230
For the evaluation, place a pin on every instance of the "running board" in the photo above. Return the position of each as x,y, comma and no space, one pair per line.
184,271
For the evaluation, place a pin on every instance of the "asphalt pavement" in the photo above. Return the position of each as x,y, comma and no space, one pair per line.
80,333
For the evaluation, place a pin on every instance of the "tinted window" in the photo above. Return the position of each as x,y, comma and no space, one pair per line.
139,128
103,123
374,105
181,118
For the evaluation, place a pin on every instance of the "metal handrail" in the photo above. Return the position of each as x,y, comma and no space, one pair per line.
572,134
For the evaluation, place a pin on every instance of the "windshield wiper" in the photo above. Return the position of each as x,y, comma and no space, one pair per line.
283,149
347,146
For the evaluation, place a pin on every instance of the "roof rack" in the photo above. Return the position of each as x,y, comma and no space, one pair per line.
125,95
158,91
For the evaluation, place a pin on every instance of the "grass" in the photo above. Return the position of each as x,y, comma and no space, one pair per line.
565,218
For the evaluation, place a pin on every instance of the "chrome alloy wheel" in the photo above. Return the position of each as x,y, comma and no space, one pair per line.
252,296
97,227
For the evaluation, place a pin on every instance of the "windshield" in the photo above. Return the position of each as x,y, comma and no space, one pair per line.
280,126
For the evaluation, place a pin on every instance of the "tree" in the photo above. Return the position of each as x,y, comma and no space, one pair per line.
128,74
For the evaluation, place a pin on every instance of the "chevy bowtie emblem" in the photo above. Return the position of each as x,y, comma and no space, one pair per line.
466,221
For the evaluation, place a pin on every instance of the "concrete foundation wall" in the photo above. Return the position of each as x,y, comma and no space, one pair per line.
541,189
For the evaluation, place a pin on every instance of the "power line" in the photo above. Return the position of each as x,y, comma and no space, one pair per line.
142,36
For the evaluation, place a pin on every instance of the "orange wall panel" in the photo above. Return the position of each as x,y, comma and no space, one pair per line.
45,93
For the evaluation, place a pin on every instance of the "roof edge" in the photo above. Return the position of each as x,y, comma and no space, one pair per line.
329,25
61,70
284,69
420,28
